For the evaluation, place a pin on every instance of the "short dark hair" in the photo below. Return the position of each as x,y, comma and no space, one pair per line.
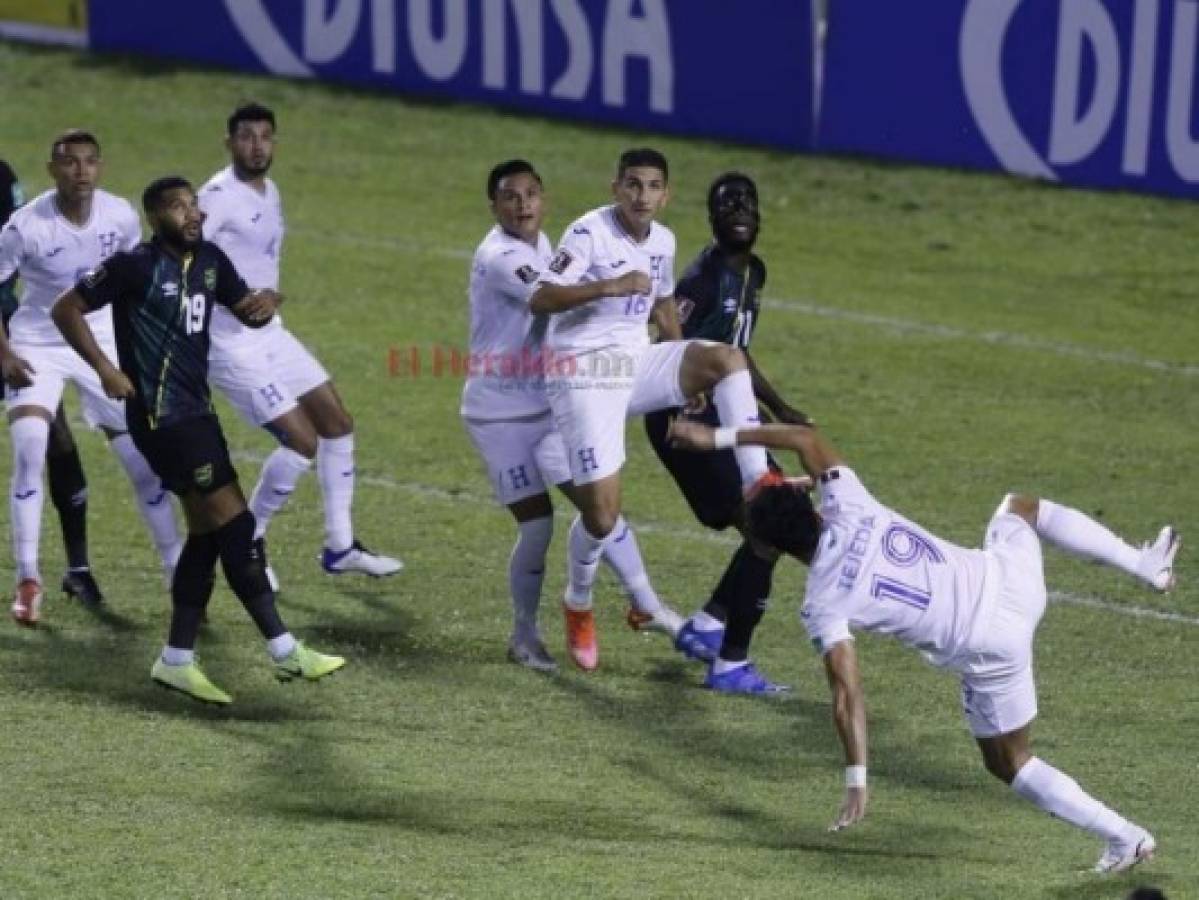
642,156
504,170
731,177
152,195
73,136
782,515
249,112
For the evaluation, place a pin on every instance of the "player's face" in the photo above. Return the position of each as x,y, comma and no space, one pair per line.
75,169
252,147
735,216
178,219
641,193
519,206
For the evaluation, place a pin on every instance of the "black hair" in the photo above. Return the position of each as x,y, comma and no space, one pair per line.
732,177
73,136
504,169
249,112
642,156
152,195
783,517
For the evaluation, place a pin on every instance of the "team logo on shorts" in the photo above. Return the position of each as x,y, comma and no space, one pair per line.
203,475
210,279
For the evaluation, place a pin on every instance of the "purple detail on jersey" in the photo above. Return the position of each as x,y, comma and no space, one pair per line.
856,553
50,254
624,534
25,495
903,547
279,492
580,230
255,217
157,500
884,588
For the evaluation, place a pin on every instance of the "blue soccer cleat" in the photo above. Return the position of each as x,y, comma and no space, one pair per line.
744,679
696,644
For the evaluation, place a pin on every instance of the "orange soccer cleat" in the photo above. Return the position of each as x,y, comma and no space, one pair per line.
580,637
27,604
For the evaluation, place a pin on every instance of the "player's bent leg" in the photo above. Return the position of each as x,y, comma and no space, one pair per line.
152,500
29,429
280,474
1080,535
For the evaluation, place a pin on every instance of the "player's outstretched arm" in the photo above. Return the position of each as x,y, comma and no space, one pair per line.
68,314
849,715
555,298
815,451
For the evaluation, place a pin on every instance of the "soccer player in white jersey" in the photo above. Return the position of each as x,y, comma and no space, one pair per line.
52,241
973,612
613,269
270,377
507,415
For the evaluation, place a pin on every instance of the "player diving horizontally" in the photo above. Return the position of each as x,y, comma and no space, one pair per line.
974,612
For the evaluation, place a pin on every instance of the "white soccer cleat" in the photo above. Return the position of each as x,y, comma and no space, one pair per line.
1124,854
664,619
1156,565
358,559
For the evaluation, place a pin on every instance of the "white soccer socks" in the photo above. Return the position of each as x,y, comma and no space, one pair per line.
280,474
153,502
1060,795
29,436
624,556
1079,534
735,402
335,471
583,556
526,573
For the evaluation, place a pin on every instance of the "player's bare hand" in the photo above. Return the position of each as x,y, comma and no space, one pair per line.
853,808
258,306
16,371
631,283
685,435
116,383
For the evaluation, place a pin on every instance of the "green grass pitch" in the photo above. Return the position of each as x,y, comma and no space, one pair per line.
958,335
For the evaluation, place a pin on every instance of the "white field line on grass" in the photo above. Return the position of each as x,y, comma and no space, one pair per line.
711,537
810,308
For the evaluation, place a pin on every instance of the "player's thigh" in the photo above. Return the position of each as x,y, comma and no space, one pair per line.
656,382
1016,550
51,370
508,451
590,416
999,699
293,363
244,375
189,457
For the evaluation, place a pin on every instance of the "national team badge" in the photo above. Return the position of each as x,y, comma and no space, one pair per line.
203,475
210,279
561,262
527,274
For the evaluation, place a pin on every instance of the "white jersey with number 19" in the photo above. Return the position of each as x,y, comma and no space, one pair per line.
597,247
877,571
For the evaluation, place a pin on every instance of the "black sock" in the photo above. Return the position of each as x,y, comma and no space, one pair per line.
191,589
244,570
725,593
68,492
755,577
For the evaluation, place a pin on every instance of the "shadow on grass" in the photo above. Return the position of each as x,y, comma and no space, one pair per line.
1094,887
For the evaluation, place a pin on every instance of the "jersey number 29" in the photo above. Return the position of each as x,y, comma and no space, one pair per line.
193,313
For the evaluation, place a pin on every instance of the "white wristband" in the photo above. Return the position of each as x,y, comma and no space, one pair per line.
724,438
855,776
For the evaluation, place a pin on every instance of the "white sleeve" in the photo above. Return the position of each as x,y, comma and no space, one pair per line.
826,628
666,282
12,250
573,259
210,204
514,277
131,234
840,488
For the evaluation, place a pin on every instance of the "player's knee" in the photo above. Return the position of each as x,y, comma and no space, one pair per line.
1025,506
725,361
600,522
335,423
242,564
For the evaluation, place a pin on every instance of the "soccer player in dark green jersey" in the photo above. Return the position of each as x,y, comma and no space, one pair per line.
162,294
718,300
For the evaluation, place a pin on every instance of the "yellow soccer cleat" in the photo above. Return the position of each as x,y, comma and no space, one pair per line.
188,679
307,664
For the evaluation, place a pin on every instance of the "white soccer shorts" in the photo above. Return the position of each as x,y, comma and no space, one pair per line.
521,456
54,366
263,374
591,403
999,693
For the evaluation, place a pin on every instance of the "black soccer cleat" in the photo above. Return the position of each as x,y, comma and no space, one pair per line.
81,584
